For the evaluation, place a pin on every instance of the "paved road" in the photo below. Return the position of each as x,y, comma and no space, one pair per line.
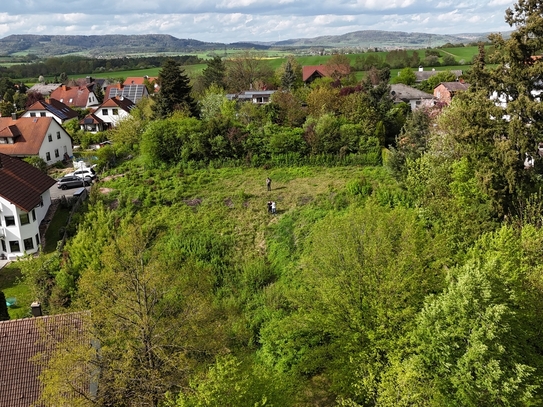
57,193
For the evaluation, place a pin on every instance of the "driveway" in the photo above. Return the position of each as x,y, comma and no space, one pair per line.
57,193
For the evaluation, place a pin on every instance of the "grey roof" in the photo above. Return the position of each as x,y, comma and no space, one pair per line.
404,93
133,92
44,89
455,86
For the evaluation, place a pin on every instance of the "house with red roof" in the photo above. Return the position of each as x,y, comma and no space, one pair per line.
51,108
80,96
312,72
29,343
35,137
107,115
24,201
135,92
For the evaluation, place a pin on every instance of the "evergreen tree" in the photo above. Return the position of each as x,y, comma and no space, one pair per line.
289,77
4,315
215,73
174,91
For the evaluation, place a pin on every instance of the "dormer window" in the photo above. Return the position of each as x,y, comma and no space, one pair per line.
32,114
104,112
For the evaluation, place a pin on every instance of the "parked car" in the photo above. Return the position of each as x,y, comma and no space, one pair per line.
82,173
73,181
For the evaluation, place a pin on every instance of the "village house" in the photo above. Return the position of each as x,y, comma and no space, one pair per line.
107,115
413,97
27,344
134,92
35,137
51,108
24,201
258,97
80,96
445,91
313,72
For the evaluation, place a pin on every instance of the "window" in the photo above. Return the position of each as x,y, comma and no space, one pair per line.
24,218
42,114
14,246
104,112
28,243
56,153
50,137
37,240
58,135
115,112
34,215
3,140
47,156
32,114
90,100
10,220
3,245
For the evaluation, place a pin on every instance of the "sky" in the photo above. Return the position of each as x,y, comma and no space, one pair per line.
228,21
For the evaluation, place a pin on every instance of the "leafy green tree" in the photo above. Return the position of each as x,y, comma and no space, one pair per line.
174,92
465,349
443,76
405,76
247,71
37,162
6,108
151,313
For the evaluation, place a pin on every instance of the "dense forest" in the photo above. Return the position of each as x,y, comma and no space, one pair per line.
403,266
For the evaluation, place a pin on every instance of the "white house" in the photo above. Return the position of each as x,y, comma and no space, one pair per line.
24,201
107,115
35,136
51,108
414,97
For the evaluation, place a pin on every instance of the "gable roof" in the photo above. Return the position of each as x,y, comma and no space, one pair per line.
22,184
133,92
454,86
126,104
404,93
138,80
91,118
55,107
77,96
29,133
310,70
44,89
22,340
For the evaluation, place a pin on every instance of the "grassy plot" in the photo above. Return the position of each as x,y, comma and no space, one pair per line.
13,287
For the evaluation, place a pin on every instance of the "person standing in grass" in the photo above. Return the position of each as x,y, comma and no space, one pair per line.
268,183
273,207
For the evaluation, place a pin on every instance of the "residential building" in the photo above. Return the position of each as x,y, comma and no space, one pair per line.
24,201
29,343
44,88
258,97
80,96
35,136
414,97
108,114
312,72
445,91
132,92
51,108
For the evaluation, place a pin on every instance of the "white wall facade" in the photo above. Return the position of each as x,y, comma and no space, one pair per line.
21,237
42,113
55,143
111,115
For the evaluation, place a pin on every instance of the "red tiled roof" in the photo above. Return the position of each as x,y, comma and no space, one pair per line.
307,71
22,184
21,340
72,96
29,133
138,80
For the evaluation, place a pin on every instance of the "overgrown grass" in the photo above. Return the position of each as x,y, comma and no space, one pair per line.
13,286
58,223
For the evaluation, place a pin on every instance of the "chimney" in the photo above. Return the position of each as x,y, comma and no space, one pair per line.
36,309
14,116
421,69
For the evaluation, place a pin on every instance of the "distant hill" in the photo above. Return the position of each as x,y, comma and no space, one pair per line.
120,45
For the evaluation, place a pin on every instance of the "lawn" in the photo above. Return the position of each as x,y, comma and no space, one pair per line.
13,287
